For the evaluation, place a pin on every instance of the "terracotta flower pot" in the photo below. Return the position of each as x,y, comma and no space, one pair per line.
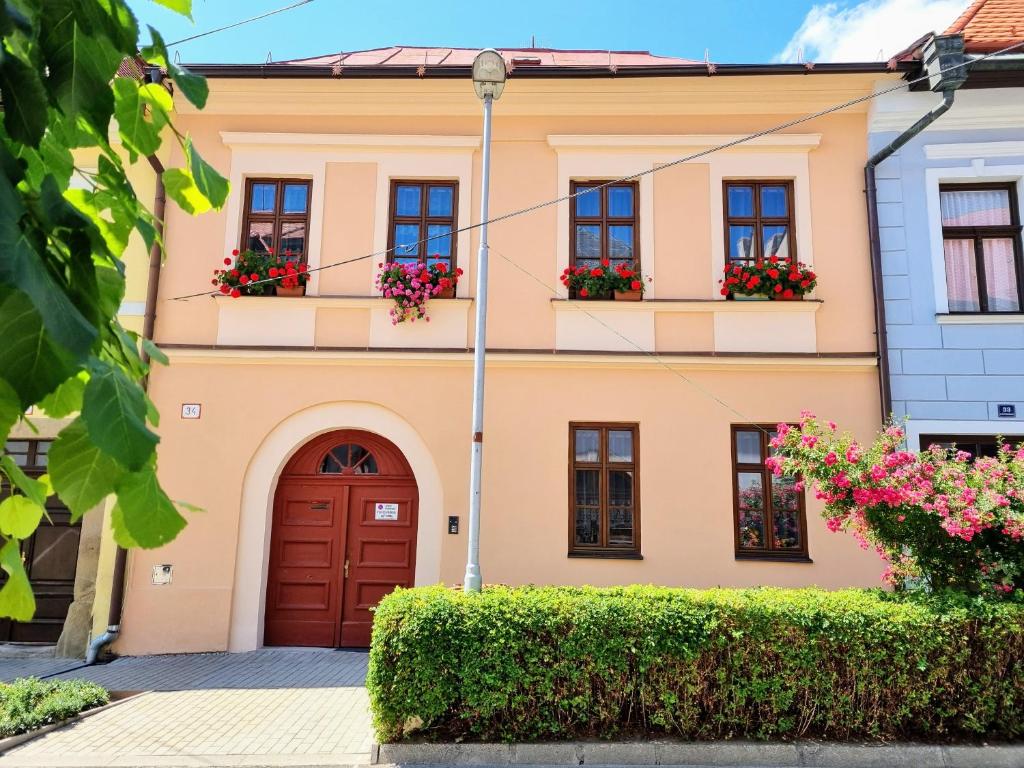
629,295
794,297
297,290
446,293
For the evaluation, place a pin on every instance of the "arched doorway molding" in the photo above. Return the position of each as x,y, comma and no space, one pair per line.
248,597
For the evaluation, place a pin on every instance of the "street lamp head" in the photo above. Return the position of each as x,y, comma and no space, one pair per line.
489,74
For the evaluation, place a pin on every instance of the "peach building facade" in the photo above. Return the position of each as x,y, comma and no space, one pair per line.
331,450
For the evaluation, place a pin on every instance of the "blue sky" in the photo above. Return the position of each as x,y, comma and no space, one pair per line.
734,31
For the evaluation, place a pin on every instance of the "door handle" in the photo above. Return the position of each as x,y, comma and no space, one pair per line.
346,567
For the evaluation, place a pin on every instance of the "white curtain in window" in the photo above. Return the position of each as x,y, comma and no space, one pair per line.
1000,275
961,276
975,207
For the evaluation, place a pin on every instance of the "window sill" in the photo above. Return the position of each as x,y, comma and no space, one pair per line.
685,305
339,302
980,318
604,555
765,557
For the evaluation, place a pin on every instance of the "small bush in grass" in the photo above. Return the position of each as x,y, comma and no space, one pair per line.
573,662
29,703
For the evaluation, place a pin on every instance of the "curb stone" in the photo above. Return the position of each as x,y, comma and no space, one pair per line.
737,754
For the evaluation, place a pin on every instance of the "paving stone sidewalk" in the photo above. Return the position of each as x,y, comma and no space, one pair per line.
268,707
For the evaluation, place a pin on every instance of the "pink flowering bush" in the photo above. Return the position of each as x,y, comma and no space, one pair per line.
412,285
936,516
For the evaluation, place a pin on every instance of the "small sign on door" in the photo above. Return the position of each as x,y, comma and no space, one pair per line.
385,511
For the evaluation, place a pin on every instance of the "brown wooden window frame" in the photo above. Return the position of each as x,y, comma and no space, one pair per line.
603,220
603,466
769,552
757,221
1011,231
34,450
277,218
423,220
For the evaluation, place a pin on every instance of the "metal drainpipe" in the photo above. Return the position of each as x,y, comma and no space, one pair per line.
939,54
148,323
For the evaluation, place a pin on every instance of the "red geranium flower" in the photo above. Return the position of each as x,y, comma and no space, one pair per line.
635,285
778,289
233,253
227,260
225,288
235,293
584,292
788,293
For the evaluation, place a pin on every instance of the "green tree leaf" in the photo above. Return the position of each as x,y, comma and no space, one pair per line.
82,474
36,490
211,184
155,352
142,112
22,267
114,410
10,409
194,87
24,100
19,516
182,189
65,399
184,7
30,362
80,63
16,600
144,515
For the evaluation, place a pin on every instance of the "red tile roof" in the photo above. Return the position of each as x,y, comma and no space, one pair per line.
405,56
990,25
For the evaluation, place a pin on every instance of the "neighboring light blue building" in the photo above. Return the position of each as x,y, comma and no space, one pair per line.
949,206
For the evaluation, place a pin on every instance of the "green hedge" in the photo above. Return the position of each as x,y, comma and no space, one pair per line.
30,703
565,662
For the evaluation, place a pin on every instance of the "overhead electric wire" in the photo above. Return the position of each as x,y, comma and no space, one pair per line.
631,177
240,23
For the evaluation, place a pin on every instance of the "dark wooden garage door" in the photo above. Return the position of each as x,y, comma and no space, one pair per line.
50,554
343,536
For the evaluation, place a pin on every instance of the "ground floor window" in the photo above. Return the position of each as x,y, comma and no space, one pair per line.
768,511
976,445
604,504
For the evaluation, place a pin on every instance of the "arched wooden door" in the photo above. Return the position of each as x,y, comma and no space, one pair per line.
344,536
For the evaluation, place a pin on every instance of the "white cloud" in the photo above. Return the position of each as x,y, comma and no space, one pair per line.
872,30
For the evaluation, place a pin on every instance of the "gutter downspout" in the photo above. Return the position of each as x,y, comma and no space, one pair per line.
148,324
943,58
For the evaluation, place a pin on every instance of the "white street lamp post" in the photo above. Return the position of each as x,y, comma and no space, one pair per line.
488,82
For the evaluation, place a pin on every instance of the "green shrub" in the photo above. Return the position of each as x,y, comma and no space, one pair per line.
29,703
571,662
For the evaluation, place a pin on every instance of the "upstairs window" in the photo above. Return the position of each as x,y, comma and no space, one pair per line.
423,210
982,245
758,220
604,510
604,224
277,217
769,516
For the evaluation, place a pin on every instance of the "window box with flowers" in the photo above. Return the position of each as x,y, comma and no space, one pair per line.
412,285
260,273
768,279
623,282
